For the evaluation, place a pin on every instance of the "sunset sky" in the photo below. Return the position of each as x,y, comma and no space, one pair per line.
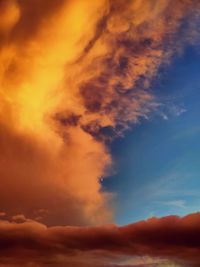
99,133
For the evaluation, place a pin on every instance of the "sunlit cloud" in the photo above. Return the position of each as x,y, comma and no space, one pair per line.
73,75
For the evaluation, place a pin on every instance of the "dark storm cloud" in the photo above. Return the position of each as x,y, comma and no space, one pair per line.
169,237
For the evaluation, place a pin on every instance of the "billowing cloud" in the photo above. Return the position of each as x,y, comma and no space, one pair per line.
72,73
172,238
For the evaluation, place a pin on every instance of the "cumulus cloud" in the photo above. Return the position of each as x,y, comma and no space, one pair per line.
173,238
71,74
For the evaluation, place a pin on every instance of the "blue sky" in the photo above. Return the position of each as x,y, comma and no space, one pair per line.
157,168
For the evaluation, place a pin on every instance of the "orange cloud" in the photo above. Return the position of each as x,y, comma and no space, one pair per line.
172,238
70,71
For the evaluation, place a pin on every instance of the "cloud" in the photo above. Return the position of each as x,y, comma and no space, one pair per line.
73,74
173,238
179,203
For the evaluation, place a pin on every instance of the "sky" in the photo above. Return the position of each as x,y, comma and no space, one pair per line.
99,126
157,160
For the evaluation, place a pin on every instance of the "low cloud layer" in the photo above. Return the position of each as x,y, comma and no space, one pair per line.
168,238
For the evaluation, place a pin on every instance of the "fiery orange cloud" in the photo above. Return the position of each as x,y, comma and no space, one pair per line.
69,72
172,238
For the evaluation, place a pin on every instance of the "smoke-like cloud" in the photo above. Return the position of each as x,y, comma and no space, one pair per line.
172,238
71,73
